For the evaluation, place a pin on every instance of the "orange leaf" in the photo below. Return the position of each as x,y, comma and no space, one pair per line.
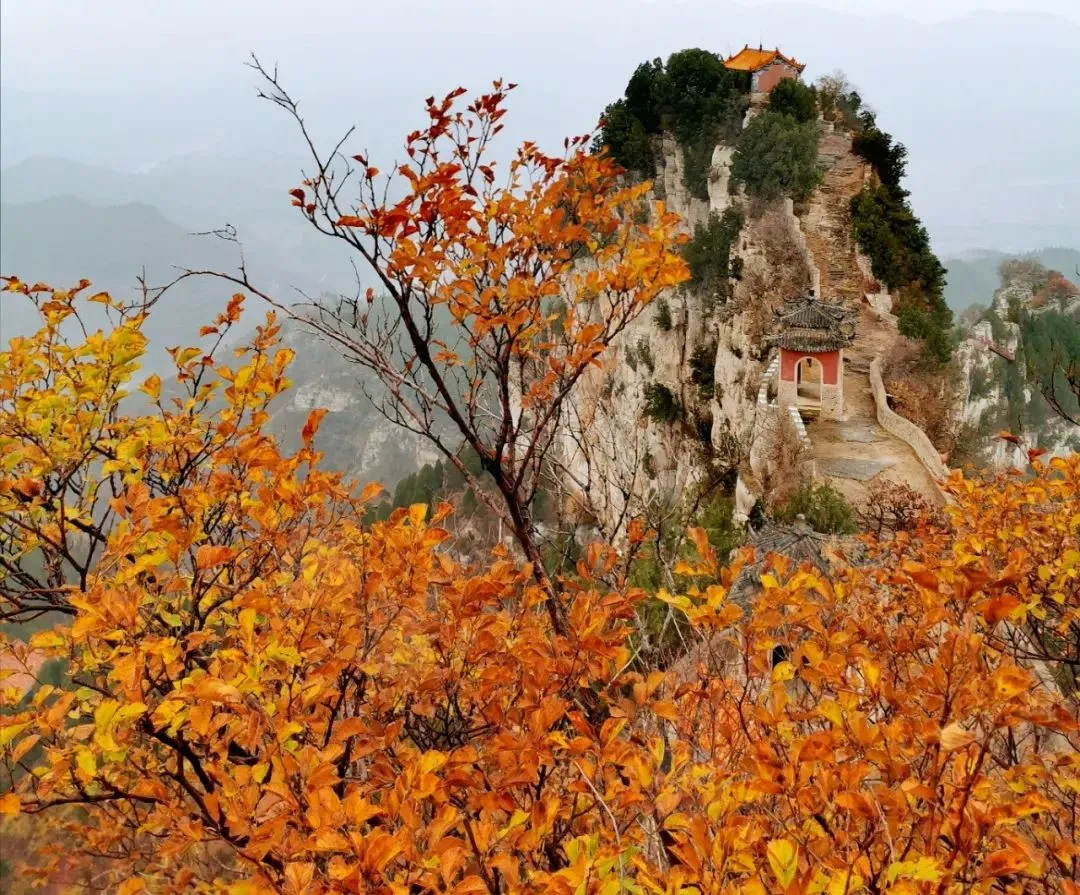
9,804
210,555
312,425
998,608
956,737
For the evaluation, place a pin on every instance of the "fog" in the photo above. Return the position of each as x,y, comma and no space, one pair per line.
988,102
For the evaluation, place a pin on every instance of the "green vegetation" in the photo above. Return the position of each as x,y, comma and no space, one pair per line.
794,98
432,483
703,368
708,255
692,96
899,250
823,507
663,316
1051,348
661,405
776,156
639,354
888,159
664,628
897,243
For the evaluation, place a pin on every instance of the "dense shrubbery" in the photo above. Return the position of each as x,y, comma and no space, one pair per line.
887,229
693,96
888,158
661,405
708,255
1051,348
794,98
663,315
899,250
777,156
431,483
703,368
823,507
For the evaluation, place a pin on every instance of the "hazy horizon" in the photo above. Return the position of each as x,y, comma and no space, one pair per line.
981,98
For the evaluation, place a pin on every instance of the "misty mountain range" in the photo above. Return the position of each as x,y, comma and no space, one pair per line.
985,102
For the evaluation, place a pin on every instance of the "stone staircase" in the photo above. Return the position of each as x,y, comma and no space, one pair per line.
852,453
826,222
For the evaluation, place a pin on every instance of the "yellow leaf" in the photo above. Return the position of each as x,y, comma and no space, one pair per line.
152,387
784,860
10,731
46,640
86,762
432,761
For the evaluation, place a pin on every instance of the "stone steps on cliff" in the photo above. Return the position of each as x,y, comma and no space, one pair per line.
827,220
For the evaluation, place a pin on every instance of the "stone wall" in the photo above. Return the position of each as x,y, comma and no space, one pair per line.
904,429
791,221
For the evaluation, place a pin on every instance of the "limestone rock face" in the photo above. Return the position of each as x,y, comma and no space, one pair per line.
618,456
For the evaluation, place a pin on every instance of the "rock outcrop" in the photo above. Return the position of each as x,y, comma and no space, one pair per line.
994,393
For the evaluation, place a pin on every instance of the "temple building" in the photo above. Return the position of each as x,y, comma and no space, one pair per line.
811,335
767,68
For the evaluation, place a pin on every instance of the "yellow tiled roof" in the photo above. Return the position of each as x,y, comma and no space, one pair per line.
753,60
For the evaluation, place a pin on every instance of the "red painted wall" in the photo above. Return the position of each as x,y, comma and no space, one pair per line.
829,360
769,77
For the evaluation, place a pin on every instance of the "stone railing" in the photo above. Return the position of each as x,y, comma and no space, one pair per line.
794,226
768,418
766,380
904,429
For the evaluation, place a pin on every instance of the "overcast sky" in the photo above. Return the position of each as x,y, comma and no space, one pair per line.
131,84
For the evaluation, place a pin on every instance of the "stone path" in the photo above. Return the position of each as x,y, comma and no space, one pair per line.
827,221
854,453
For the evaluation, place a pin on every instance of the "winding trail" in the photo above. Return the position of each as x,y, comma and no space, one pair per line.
856,452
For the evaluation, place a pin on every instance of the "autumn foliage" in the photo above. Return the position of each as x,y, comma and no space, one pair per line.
268,693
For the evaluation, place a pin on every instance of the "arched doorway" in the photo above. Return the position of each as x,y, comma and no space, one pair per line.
808,377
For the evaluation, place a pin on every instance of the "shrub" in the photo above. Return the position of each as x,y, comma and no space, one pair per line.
887,158
823,507
978,382
663,317
794,98
777,156
892,506
703,368
708,255
661,405
838,100
898,247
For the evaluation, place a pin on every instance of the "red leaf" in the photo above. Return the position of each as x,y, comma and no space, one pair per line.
312,425
210,555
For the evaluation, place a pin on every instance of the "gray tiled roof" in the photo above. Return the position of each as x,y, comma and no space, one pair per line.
798,542
809,324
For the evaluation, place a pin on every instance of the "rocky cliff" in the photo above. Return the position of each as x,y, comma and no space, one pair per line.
675,400
685,396
355,437
996,389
